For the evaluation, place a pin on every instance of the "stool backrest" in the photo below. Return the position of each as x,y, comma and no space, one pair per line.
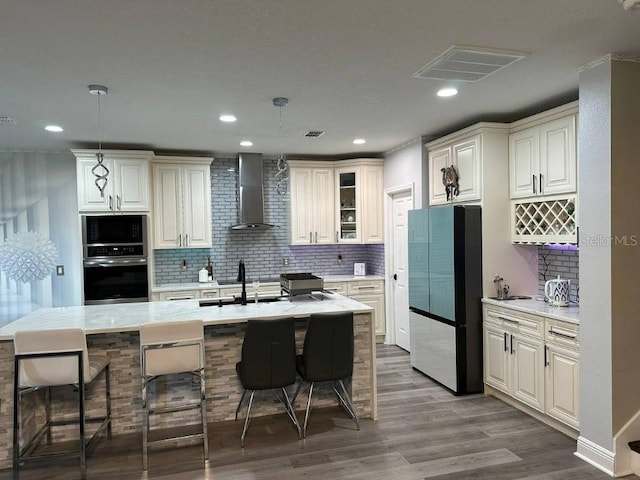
51,370
171,347
328,347
268,354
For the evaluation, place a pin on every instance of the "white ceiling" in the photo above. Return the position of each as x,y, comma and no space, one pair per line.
172,67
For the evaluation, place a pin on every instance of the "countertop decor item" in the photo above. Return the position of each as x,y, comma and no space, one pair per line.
359,269
99,170
27,257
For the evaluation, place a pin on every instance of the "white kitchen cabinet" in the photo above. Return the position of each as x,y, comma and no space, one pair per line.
181,202
127,187
176,295
336,202
562,372
371,293
465,156
542,154
311,205
513,360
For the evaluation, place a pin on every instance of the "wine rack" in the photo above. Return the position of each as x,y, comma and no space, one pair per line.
552,220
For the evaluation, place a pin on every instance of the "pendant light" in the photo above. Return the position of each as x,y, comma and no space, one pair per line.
282,164
99,170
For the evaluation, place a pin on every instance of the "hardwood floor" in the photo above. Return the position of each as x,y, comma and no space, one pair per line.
423,432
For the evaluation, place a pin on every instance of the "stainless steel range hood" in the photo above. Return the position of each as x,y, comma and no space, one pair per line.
250,196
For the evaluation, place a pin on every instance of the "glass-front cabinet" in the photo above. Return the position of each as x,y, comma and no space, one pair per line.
348,196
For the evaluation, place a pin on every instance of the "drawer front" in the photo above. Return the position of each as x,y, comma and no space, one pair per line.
515,321
362,287
234,290
337,287
179,295
210,293
562,334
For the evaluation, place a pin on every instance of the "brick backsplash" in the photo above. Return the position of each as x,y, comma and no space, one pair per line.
554,260
263,251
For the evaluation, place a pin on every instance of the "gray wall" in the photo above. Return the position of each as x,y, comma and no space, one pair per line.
563,260
263,251
408,165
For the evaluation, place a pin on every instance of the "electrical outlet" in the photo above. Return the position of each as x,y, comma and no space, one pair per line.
59,270
285,261
339,259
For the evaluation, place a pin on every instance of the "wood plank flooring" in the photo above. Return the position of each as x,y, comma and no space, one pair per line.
423,432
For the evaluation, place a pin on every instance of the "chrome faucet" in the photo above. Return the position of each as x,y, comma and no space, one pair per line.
242,278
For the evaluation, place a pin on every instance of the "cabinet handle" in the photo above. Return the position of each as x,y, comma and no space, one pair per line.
534,184
511,345
505,341
563,335
118,202
186,297
316,237
540,184
336,236
509,320
111,202
310,237
179,239
365,287
546,356
186,240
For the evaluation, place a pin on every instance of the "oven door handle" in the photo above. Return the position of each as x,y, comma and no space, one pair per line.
114,263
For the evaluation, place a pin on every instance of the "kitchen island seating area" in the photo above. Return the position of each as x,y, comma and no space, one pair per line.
115,331
268,362
54,358
172,348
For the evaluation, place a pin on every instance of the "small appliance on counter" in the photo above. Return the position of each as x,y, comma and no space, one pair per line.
300,283
557,291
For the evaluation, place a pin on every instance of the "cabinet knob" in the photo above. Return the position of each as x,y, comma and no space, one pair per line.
395,276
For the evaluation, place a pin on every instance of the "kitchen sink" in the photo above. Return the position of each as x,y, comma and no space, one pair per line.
512,297
235,300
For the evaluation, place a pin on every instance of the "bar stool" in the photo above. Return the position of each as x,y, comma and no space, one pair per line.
167,349
327,356
268,361
50,358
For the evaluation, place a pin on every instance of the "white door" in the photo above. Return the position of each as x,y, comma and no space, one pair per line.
524,163
466,158
401,203
562,385
496,358
89,198
167,206
528,374
133,178
323,210
438,160
197,206
301,206
558,156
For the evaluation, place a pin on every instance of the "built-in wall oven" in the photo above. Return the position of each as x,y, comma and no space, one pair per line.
115,259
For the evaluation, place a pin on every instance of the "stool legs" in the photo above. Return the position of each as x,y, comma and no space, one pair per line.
246,420
346,402
308,410
203,413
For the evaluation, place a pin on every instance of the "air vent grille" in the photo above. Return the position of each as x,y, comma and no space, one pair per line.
468,64
313,133
6,120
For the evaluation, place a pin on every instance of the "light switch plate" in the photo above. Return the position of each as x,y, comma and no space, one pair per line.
59,270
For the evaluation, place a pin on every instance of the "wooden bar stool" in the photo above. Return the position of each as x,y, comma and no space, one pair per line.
167,349
327,356
50,358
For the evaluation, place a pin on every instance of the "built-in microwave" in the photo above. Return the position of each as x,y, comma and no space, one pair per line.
114,235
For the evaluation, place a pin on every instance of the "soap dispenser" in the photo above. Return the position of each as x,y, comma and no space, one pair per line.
203,275
209,269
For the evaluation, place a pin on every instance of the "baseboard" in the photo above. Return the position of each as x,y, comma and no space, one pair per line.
595,455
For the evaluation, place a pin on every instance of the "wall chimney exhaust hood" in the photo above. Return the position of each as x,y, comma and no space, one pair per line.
250,195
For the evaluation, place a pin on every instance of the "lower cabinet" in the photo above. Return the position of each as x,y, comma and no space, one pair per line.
369,292
534,360
176,295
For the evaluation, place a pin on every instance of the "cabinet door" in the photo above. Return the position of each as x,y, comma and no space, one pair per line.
197,206
528,374
348,205
132,189
323,205
524,163
466,159
562,385
89,198
179,295
372,207
377,303
558,156
167,206
438,160
496,358
301,206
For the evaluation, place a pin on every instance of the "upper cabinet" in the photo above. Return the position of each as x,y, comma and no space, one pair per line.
336,202
464,156
542,155
181,202
127,187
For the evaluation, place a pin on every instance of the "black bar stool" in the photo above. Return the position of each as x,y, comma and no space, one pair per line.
268,362
327,357
49,358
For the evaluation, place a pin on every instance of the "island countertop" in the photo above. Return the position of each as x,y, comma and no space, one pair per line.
126,317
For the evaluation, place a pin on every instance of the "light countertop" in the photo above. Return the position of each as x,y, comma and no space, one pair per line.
570,313
173,287
125,317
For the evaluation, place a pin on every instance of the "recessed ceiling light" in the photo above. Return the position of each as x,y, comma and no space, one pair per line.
228,118
447,92
359,141
246,143
54,128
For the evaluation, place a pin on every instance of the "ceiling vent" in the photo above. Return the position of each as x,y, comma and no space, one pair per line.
630,4
6,120
313,133
468,64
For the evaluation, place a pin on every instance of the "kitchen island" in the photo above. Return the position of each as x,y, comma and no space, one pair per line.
113,330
